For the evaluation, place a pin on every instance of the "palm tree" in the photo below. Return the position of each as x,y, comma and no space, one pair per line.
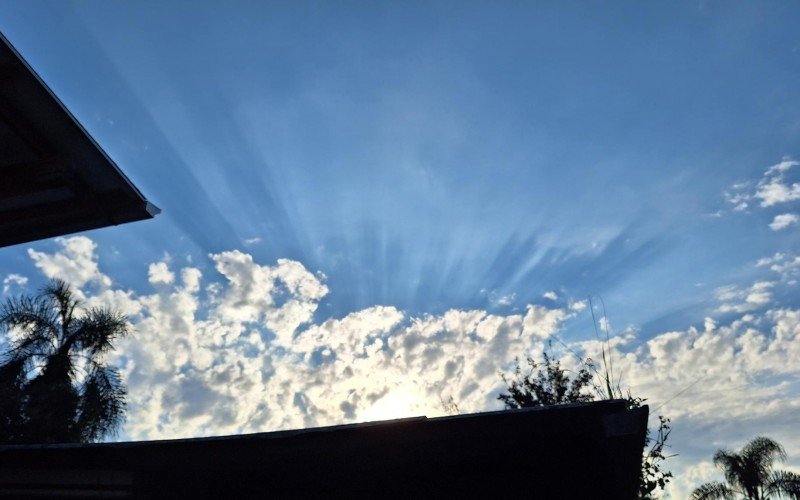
54,385
749,474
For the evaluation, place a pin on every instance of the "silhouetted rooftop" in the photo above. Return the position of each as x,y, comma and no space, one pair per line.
589,450
55,179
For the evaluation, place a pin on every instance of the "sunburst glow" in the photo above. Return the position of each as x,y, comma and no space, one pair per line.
393,405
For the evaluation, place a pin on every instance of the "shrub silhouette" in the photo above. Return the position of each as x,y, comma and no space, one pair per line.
551,385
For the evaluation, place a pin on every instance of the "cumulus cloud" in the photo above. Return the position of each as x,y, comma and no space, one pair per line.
542,322
338,370
159,273
721,385
242,351
783,221
550,295
75,262
280,297
735,299
774,188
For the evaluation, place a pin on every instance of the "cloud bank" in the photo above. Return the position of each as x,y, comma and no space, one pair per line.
244,351
241,352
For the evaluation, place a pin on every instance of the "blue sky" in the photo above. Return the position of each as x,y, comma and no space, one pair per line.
435,156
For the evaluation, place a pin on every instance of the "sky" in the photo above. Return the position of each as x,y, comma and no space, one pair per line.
371,209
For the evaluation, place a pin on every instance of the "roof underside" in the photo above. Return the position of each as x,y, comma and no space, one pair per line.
55,179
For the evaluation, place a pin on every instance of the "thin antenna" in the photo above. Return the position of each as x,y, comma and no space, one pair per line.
608,341
602,350
582,360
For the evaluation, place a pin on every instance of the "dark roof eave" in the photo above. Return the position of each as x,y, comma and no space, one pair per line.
59,156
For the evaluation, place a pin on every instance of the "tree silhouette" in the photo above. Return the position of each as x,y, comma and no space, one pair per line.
550,386
749,474
54,385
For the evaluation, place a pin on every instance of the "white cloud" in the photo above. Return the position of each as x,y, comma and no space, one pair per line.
541,322
282,297
781,167
499,300
578,305
252,241
159,273
737,198
783,221
787,266
721,386
244,354
773,188
735,299
238,357
75,262
123,301
222,375
550,295
13,280
693,476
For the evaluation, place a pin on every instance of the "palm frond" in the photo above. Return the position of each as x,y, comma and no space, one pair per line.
784,483
102,403
59,294
36,321
763,451
97,330
713,491
732,466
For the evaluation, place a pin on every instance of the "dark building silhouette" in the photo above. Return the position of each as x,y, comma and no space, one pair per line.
585,450
54,179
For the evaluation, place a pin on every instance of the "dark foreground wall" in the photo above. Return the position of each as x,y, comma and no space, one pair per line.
588,450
